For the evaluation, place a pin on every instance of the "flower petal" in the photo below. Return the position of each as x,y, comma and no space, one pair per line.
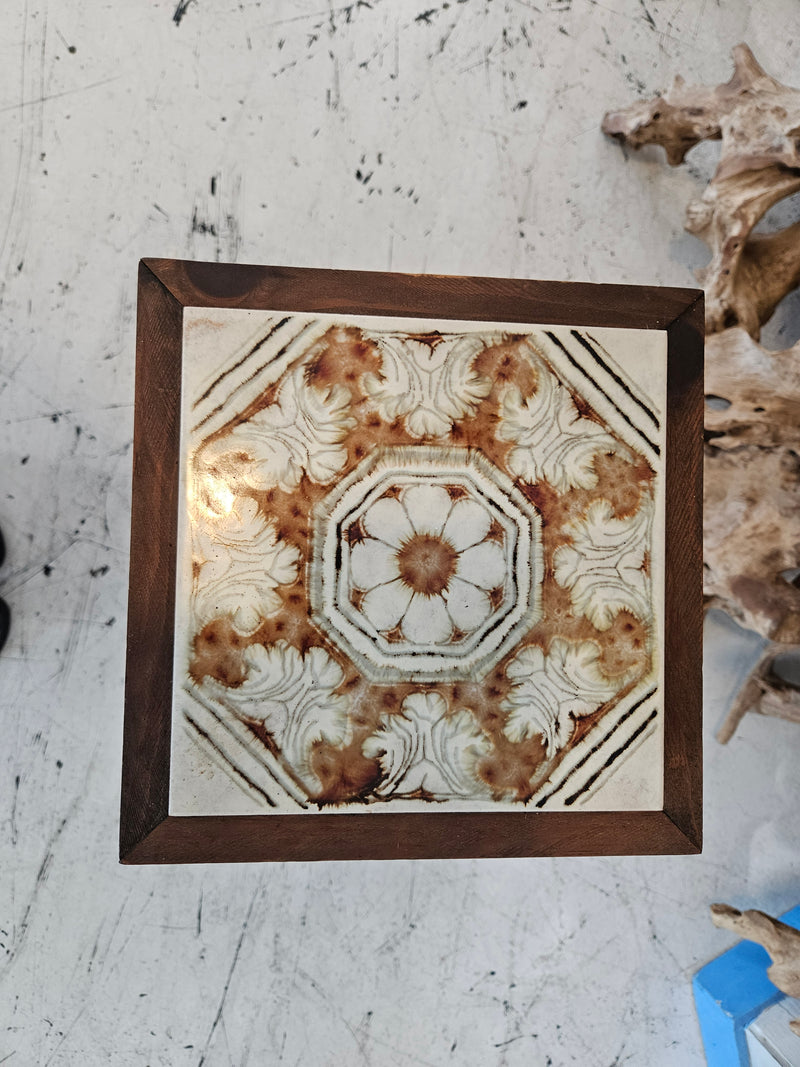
467,524
372,563
385,605
428,507
386,519
483,565
426,622
468,606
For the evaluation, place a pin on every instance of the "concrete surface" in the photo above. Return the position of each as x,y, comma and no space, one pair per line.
456,138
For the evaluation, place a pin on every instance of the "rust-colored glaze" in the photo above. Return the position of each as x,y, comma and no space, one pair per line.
217,653
346,774
625,651
427,564
509,769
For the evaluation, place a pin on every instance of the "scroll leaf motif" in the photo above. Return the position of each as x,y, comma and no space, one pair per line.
603,568
295,698
552,441
239,562
429,384
550,691
301,433
425,749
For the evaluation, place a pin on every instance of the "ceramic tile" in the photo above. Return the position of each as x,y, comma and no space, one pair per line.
420,562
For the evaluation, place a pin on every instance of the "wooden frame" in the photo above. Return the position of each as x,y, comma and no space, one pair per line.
148,833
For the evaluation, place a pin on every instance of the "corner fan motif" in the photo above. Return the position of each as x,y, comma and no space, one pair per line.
421,565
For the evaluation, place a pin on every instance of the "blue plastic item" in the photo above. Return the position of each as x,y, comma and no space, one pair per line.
729,993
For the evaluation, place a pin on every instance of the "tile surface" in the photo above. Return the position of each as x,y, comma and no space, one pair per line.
421,562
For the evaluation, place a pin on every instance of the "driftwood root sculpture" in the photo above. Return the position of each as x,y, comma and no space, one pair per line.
752,463
782,942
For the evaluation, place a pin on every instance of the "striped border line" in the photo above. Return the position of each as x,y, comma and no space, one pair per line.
584,764
230,744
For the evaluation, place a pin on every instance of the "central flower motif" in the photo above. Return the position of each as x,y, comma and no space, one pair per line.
427,564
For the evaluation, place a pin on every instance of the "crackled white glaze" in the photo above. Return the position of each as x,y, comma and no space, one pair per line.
416,555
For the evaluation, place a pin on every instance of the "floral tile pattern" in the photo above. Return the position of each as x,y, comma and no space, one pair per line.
425,564
419,563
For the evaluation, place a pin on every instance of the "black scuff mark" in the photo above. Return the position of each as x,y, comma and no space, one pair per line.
98,572
47,570
69,47
444,39
180,11
234,235
648,17
216,216
520,104
640,88
14,833
426,16
348,11
201,226
333,94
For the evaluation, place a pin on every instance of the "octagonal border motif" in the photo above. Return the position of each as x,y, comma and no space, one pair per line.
368,648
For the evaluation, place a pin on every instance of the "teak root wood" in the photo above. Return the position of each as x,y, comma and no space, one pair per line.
782,942
752,464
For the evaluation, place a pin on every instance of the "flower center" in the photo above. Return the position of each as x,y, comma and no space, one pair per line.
427,564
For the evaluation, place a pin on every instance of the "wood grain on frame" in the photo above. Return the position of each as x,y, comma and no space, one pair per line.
148,834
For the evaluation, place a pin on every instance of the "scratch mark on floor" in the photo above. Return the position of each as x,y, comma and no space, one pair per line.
14,815
359,1040
227,985
20,154
41,878
77,632
56,96
66,1034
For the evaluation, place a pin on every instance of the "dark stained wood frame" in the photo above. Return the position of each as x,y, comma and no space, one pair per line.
148,834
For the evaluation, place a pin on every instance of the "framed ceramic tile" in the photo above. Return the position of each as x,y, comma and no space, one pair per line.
415,567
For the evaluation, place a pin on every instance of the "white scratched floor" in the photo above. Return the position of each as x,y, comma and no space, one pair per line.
456,138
